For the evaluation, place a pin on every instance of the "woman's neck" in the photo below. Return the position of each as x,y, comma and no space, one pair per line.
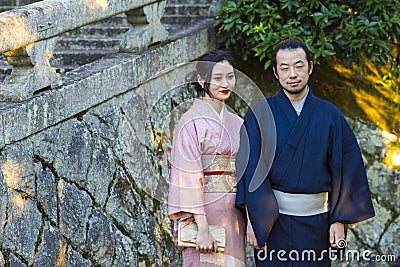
216,104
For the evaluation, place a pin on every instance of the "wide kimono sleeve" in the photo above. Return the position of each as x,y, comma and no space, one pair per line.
350,198
186,173
253,161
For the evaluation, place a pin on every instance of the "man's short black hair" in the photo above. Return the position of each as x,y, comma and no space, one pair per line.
290,44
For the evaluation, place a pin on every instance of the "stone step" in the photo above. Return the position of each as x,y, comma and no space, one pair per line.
6,70
96,31
116,21
17,2
67,57
87,44
189,10
181,19
189,2
5,8
77,57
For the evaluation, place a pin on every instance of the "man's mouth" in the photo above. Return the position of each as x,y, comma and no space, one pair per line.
293,83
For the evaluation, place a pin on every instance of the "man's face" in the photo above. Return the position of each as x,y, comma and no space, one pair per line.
292,70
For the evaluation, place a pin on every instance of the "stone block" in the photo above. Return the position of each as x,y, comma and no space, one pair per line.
390,242
100,241
73,259
45,145
15,262
74,152
370,231
23,227
3,204
17,167
74,208
49,250
46,192
123,203
125,251
385,184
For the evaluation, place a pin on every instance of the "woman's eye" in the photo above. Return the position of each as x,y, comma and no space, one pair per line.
217,78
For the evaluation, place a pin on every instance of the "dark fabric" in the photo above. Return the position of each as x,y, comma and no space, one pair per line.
284,248
315,152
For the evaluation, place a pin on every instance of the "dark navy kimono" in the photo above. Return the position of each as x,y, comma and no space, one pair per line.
315,152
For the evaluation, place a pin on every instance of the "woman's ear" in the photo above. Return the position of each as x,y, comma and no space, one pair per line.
200,80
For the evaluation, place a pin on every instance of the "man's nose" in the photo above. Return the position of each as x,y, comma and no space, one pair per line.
292,72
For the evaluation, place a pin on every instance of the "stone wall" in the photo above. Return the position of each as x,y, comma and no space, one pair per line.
379,235
83,182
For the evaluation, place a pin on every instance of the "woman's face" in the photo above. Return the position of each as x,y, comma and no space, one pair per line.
222,81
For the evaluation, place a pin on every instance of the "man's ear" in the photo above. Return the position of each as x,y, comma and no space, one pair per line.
275,73
200,80
311,68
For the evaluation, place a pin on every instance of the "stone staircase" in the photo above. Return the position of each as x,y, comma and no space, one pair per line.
91,42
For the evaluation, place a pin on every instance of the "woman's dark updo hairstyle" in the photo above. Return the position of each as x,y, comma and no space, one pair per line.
204,68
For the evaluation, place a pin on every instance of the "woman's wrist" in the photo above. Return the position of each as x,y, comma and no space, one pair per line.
201,221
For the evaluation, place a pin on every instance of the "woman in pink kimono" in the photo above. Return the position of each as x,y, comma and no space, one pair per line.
203,181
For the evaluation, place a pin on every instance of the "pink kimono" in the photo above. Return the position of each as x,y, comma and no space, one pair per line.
202,131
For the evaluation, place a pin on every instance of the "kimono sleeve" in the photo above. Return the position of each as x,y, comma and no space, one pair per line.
186,176
351,198
254,188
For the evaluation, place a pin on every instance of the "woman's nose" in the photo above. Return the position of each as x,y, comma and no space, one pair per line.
224,83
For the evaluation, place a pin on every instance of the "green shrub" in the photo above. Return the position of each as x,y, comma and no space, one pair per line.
351,28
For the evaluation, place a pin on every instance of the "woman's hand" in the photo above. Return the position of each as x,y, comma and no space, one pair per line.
250,236
205,242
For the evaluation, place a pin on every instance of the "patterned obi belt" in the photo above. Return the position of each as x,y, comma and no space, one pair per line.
219,173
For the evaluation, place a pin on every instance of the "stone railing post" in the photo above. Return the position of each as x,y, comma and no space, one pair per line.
31,71
145,28
215,5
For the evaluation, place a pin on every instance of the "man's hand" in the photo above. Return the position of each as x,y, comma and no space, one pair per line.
336,234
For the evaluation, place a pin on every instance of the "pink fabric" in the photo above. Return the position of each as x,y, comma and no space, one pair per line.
200,131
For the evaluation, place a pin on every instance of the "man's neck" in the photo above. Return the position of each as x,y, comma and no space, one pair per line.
296,98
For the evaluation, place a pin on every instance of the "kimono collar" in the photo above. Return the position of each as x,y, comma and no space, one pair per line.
205,109
299,123
287,108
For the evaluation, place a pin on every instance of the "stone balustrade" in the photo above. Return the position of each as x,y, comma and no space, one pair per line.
28,35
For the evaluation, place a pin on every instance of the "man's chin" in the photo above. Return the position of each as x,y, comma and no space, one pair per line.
294,91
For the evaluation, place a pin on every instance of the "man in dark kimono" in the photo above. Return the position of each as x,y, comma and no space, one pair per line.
300,198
